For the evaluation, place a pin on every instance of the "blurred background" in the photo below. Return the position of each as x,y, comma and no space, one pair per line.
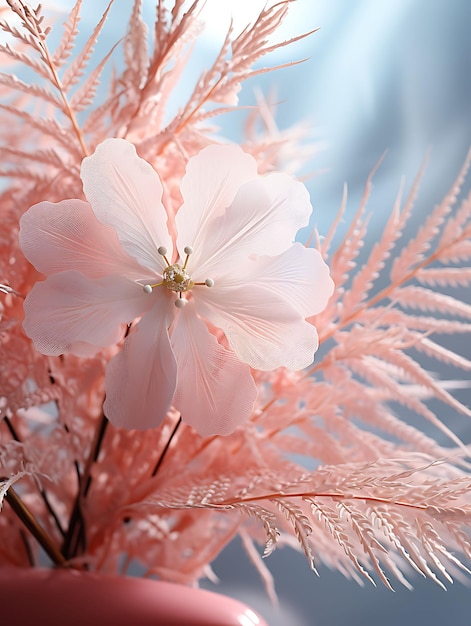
389,75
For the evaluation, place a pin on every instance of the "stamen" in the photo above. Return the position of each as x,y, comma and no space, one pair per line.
176,278
209,282
187,250
162,250
149,288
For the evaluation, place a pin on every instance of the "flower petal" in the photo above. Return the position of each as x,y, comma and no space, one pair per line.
263,219
125,192
215,391
66,235
265,331
298,276
140,380
210,184
68,309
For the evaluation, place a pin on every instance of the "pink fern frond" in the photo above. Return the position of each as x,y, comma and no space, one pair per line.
457,252
445,276
85,94
329,518
47,155
135,46
419,375
440,353
263,571
457,227
32,33
365,532
301,526
348,501
26,59
387,316
370,271
251,44
66,45
343,260
269,522
77,68
327,240
47,127
43,94
422,299
25,173
412,254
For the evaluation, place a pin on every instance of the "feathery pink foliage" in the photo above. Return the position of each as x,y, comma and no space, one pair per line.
328,458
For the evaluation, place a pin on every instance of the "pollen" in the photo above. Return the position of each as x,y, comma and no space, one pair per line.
176,278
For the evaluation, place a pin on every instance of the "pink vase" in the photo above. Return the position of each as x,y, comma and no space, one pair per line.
41,597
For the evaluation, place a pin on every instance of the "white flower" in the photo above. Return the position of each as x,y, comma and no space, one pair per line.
234,265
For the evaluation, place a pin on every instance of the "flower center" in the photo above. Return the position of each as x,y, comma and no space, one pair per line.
176,278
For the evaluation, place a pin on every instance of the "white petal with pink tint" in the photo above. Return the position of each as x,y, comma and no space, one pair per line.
210,184
215,391
125,192
140,380
298,276
69,308
265,331
263,219
66,235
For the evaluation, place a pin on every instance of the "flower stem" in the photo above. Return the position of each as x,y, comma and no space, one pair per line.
43,493
31,523
29,553
167,445
76,531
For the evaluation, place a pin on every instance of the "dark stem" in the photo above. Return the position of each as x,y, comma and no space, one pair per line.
29,553
11,428
31,523
167,445
75,537
43,493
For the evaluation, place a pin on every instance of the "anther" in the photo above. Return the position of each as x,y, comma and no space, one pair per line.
209,282
187,250
162,250
180,303
147,289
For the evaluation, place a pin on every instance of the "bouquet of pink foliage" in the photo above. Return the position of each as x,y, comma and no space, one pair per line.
161,387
